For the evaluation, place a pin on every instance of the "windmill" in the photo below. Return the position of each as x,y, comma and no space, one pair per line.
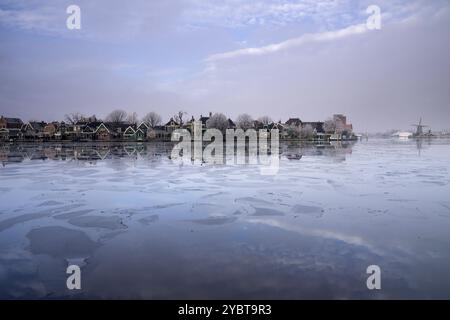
420,126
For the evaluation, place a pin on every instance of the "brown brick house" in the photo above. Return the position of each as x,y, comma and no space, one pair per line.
10,128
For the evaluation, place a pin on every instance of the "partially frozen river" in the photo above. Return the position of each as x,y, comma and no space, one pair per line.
140,226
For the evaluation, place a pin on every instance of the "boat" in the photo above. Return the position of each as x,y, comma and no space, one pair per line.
403,134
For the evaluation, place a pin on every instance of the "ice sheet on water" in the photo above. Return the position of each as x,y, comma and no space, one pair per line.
252,200
11,222
105,222
214,220
267,212
316,212
149,220
61,242
50,203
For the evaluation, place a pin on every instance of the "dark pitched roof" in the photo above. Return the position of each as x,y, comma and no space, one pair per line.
81,123
172,121
39,126
13,120
112,126
203,119
294,121
88,129
274,125
13,123
258,124
143,126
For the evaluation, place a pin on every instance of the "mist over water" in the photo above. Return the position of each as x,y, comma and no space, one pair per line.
141,226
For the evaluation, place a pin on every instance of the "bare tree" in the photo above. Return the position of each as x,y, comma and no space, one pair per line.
329,126
117,116
179,117
217,121
307,131
73,118
265,120
132,118
152,119
293,131
244,122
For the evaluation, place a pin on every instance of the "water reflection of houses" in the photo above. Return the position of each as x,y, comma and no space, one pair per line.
154,152
337,151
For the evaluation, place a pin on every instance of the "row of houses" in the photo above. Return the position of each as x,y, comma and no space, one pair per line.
14,129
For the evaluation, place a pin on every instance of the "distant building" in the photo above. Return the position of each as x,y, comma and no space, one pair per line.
50,131
342,127
204,120
103,132
33,130
257,125
294,122
231,124
171,125
10,128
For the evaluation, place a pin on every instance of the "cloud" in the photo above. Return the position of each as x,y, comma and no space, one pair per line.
29,19
288,44
102,20
251,13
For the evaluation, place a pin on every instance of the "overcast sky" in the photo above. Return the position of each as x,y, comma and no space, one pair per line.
282,58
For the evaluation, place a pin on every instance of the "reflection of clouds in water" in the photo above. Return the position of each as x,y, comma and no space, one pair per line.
322,233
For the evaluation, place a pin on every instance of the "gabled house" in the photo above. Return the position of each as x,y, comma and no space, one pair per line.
10,128
171,125
33,130
129,133
275,125
204,120
140,134
78,127
102,132
50,131
117,129
278,126
88,131
61,131
143,126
